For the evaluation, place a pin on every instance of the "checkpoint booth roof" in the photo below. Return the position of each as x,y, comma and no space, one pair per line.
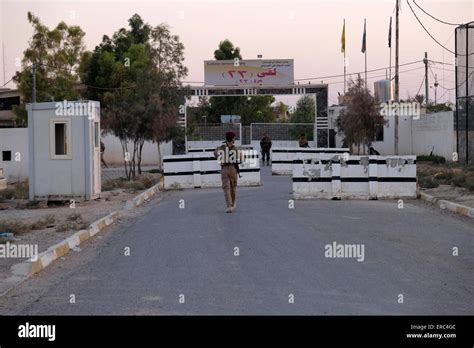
64,148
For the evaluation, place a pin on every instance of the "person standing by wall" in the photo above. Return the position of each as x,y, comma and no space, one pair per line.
228,156
265,146
303,141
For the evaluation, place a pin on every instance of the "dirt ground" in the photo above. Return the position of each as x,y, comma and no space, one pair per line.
88,211
62,220
458,195
452,182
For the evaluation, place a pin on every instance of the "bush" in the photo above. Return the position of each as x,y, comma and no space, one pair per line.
147,180
427,182
16,228
74,217
6,194
433,158
21,190
443,177
458,179
42,223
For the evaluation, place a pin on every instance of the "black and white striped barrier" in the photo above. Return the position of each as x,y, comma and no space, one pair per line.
282,158
201,169
354,177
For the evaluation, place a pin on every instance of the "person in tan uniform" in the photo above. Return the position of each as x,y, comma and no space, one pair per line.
228,156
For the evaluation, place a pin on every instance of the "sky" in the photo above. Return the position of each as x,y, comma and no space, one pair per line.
307,31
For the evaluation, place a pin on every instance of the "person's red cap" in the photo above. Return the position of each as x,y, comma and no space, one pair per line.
229,136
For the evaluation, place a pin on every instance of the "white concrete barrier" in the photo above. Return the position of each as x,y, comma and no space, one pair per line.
357,177
282,157
201,169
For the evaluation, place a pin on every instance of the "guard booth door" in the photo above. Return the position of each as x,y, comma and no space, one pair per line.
96,179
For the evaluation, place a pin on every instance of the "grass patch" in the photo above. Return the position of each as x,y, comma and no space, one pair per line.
17,228
42,223
20,191
142,182
433,158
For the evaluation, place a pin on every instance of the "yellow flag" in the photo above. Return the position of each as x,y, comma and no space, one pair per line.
343,37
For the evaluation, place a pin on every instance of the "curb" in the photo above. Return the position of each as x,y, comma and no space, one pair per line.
26,269
142,197
443,204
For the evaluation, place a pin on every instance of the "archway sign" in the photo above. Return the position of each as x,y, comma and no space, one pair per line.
259,77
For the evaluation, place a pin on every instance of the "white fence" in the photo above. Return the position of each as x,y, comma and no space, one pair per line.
282,158
201,169
354,177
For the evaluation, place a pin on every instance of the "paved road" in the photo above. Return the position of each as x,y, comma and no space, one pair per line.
191,252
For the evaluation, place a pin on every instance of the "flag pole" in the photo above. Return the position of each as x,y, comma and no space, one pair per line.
390,46
344,49
365,53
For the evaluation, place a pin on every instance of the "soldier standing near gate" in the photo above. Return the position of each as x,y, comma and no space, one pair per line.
228,156
266,145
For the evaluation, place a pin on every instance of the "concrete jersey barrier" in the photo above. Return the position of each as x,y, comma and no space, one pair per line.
355,177
201,169
283,157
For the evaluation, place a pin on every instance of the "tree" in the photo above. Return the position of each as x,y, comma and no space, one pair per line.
167,92
361,120
56,54
136,75
304,113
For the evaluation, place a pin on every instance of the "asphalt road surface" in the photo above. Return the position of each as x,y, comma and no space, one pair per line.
185,261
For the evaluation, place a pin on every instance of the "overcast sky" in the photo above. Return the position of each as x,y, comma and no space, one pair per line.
307,31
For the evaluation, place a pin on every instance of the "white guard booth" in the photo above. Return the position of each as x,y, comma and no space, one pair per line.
64,150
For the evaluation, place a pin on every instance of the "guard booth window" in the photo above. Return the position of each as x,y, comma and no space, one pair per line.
60,139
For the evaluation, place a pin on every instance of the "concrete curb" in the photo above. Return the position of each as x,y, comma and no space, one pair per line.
23,270
26,269
142,197
443,204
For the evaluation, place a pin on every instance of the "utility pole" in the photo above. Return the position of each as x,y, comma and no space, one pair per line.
436,84
3,62
33,95
427,86
397,6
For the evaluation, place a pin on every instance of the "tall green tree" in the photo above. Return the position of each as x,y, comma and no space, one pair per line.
136,75
361,120
304,113
56,54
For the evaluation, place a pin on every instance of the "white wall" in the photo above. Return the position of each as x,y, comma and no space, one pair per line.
114,155
433,131
16,141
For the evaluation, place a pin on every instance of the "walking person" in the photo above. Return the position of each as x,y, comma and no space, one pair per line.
265,146
228,156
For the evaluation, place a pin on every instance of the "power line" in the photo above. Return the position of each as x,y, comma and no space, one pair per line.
434,39
439,20
419,89
360,72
